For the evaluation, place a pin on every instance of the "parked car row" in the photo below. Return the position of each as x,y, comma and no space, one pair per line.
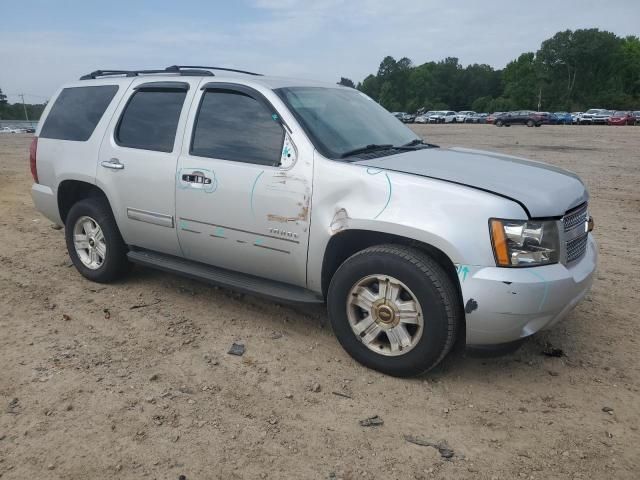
17,130
595,116
601,116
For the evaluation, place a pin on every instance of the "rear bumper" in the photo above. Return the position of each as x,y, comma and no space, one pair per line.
46,202
506,304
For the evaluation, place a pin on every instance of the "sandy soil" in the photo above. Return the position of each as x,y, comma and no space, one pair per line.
92,387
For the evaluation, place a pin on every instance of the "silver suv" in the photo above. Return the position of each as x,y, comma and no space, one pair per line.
309,192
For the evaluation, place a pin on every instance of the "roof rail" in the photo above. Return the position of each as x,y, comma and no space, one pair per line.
179,67
134,73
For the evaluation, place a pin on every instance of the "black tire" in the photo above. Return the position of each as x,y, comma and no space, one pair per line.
115,264
433,290
499,123
530,123
538,124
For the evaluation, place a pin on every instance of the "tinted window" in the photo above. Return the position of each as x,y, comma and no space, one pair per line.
150,120
77,111
234,126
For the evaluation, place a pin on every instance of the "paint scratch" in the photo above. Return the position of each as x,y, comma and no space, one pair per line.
388,197
546,288
253,188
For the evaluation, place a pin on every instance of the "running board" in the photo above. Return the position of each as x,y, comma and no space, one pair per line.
225,278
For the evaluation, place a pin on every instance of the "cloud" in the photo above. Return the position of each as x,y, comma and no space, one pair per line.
321,39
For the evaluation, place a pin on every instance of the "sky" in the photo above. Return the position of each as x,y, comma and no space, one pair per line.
44,44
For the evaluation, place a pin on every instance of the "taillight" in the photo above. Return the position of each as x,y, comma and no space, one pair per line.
33,150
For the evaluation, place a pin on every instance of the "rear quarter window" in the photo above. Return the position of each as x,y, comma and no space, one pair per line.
77,111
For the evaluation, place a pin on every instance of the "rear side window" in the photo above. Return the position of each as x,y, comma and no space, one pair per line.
234,126
150,120
77,111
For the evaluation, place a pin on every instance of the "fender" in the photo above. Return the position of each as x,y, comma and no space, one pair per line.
450,217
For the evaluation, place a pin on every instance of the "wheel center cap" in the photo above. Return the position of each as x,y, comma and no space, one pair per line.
385,314
92,242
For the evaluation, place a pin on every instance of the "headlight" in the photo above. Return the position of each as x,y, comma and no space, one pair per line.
521,243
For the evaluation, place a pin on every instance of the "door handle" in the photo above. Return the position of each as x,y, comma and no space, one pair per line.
113,164
196,178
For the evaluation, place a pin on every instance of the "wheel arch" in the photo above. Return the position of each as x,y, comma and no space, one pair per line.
344,244
72,191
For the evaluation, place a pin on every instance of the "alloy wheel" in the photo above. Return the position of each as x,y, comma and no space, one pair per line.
385,315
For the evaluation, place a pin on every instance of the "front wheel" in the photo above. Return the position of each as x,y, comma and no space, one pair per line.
530,123
394,309
499,123
94,242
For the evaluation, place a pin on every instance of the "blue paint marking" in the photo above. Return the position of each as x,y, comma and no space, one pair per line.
462,270
388,197
275,116
219,231
546,288
253,188
183,224
258,241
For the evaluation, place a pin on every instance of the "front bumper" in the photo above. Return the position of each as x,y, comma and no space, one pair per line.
506,304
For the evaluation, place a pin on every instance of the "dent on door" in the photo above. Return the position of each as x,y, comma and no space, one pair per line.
292,190
278,198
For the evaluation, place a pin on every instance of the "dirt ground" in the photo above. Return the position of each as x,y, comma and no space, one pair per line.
92,387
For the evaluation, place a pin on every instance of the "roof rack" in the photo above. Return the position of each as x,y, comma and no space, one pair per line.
179,67
185,70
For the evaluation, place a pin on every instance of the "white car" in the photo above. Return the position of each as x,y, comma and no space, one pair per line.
587,117
442,116
11,130
461,117
424,118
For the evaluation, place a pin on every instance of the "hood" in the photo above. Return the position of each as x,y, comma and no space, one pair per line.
541,189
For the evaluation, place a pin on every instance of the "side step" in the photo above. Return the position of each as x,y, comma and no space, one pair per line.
225,278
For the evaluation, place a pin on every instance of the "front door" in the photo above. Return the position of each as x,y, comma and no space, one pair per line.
243,191
137,161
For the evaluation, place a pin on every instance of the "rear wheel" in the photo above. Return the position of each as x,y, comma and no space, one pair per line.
94,242
394,309
499,123
530,123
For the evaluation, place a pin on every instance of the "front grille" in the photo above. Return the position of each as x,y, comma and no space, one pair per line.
575,232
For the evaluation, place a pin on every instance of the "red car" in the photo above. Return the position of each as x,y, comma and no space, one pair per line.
622,118
492,117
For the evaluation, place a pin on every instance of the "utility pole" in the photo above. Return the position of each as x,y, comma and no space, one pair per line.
24,106
540,99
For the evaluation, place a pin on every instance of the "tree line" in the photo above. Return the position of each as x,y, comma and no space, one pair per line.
571,71
16,111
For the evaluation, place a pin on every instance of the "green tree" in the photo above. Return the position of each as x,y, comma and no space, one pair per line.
573,70
521,81
3,98
347,82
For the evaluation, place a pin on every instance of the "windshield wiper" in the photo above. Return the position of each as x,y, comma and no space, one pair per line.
414,142
417,142
372,147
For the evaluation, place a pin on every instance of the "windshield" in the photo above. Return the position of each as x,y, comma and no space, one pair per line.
339,120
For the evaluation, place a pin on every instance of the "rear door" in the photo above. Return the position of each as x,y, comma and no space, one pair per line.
137,161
